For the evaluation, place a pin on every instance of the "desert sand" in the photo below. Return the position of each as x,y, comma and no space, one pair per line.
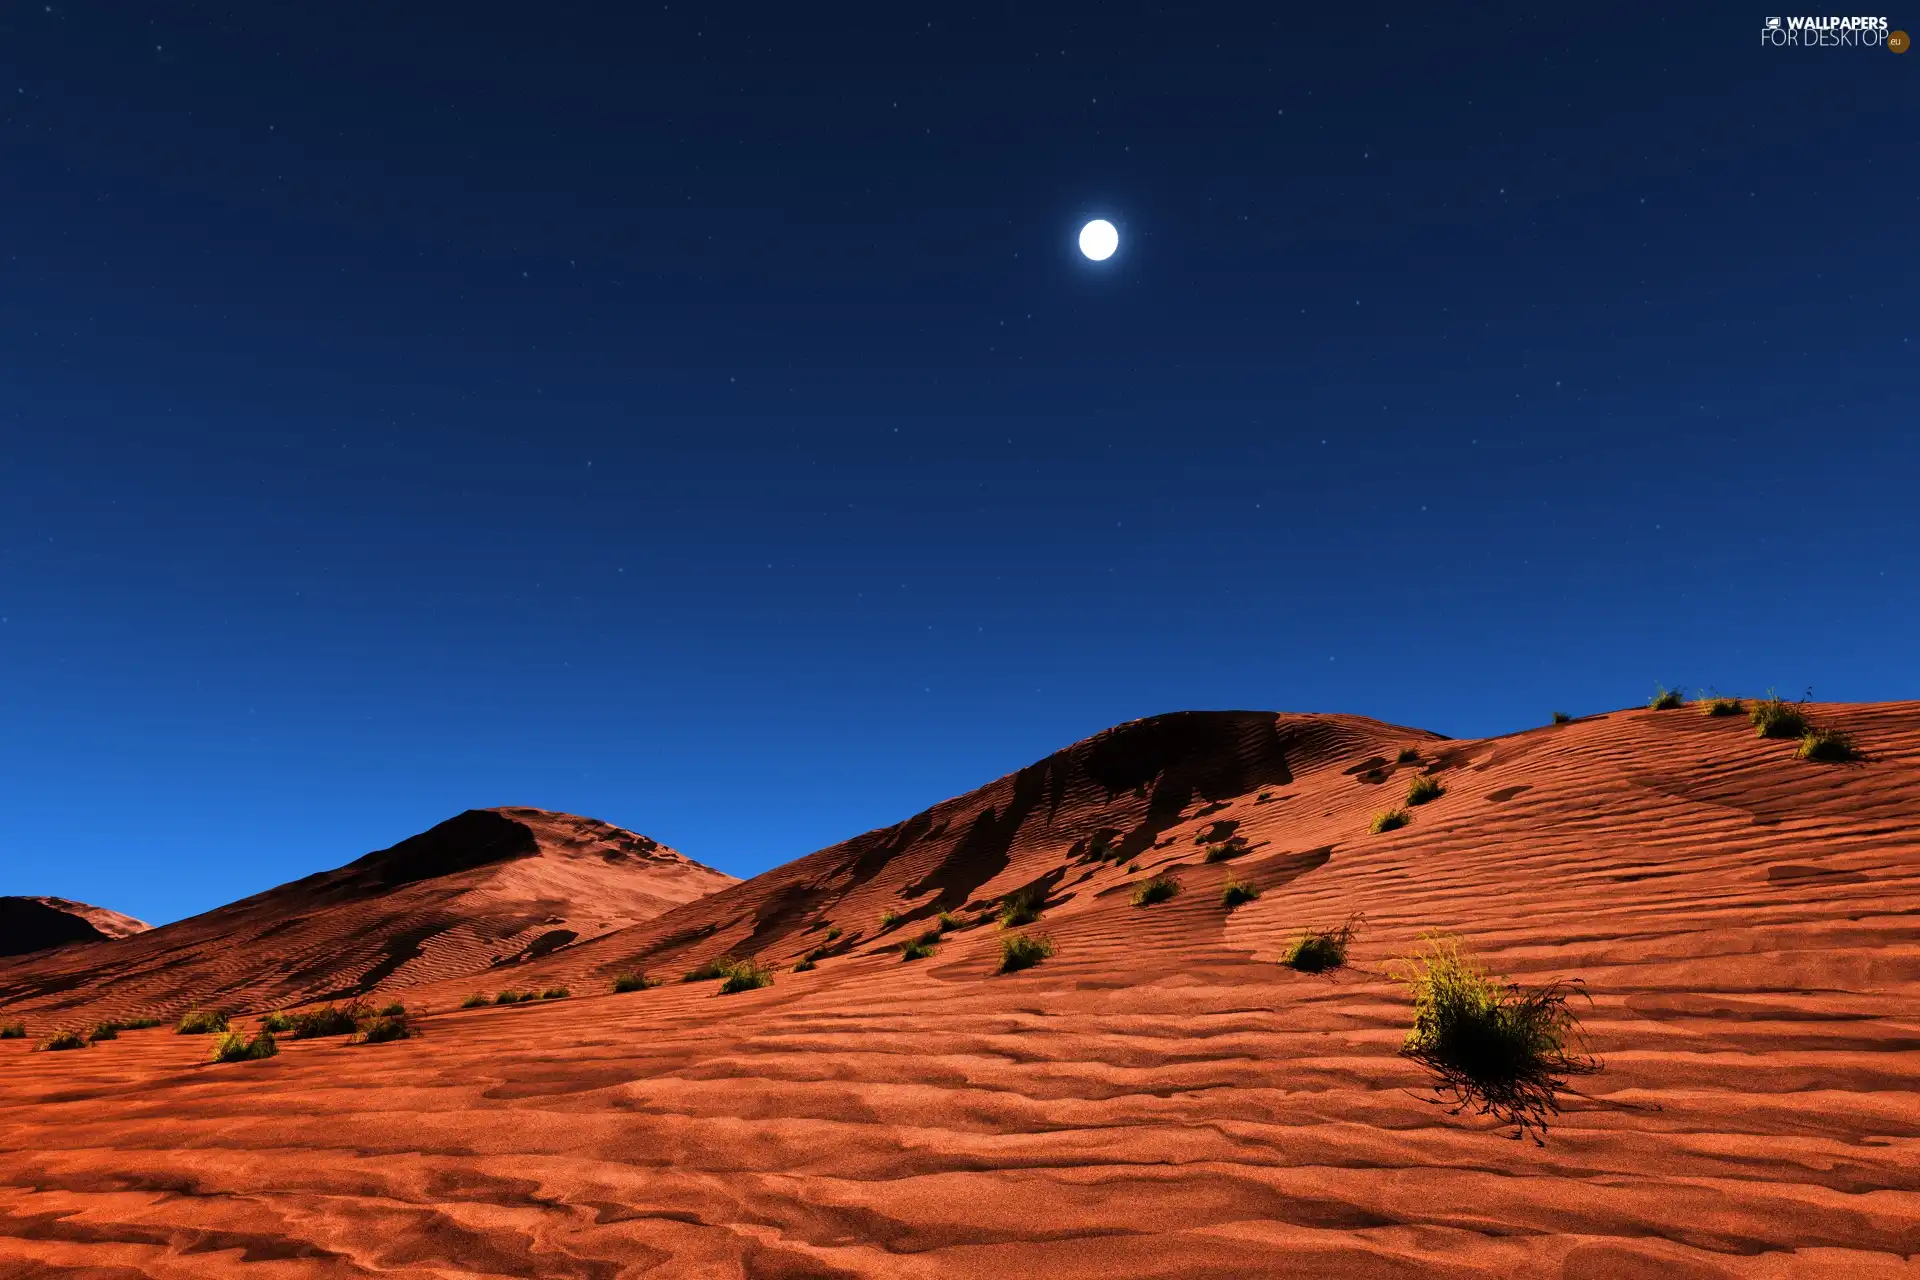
34,924
1159,1098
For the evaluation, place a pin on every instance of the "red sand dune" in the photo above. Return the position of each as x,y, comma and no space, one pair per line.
490,886
1159,1098
33,924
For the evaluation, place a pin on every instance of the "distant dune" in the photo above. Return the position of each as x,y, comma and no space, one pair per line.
488,888
1158,1098
31,924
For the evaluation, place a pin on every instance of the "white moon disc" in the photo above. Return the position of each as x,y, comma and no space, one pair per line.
1098,239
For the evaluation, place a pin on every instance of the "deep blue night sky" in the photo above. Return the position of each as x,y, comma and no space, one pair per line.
699,417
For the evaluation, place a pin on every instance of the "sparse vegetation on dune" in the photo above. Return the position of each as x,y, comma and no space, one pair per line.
60,1041
946,921
919,948
201,1022
513,997
1321,950
104,1031
1391,820
555,993
625,982
1714,705
805,963
1501,1049
1023,951
1133,868
280,1023
718,967
385,1027
1665,699
1425,788
1408,755
1828,745
1236,892
479,1001
1561,717
1772,717
1020,908
391,1009
1231,847
13,1031
746,975
234,1047
1158,889
833,934
327,1020
888,919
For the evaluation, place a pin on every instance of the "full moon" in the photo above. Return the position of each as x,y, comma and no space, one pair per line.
1098,239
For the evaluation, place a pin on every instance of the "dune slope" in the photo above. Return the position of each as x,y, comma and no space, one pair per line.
1159,1098
33,924
486,888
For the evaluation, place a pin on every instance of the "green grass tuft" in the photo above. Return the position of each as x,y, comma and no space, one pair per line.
1828,745
327,1020
888,919
1319,950
1408,755
61,1041
1020,908
234,1047
555,993
385,1027
746,975
513,997
625,982
201,1022
805,963
1665,699
1237,892
718,967
1502,1049
1773,718
1232,847
391,1009
1023,951
1717,706
833,934
280,1023
1561,717
1158,889
920,948
478,1000
1391,820
13,1031
104,1031
946,921
1424,789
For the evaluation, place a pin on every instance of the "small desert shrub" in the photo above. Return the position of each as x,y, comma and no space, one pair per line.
1665,699
513,997
1318,950
1231,847
327,1020
384,1027
478,1000
391,1009
1561,717
1504,1050
805,963
1773,718
104,1031
1830,745
1133,868
1391,820
1425,789
234,1047
1158,889
1715,706
141,1023
1023,951
945,921
1408,755
62,1040
718,967
920,948
1237,892
201,1022
833,934
888,919
13,1031
625,982
746,975
280,1023
1019,908
552,993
